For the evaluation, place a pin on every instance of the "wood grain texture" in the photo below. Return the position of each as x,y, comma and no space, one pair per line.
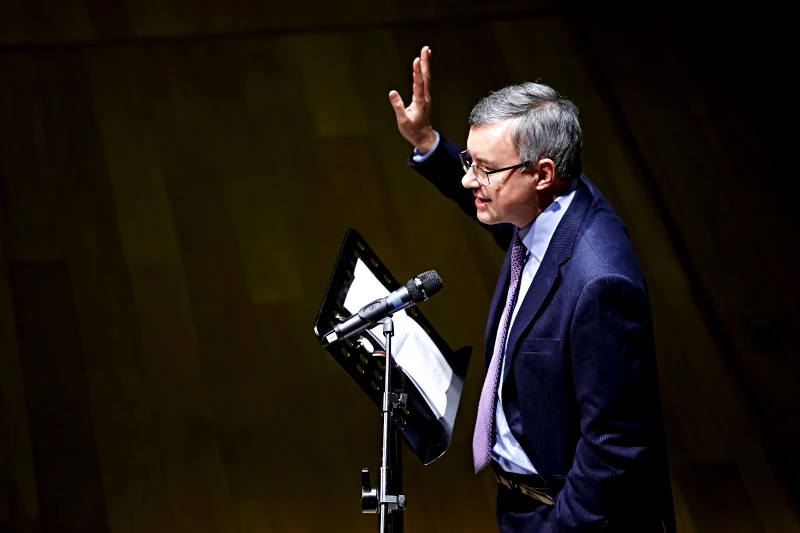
176,178
68,475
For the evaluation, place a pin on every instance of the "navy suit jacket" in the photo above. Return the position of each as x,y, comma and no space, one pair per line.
580,391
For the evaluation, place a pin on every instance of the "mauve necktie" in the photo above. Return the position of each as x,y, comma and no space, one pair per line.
484,426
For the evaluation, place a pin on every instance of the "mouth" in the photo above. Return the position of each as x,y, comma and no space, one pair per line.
481,202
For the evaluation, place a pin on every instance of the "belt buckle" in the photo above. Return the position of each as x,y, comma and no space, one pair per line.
536,495
527,491
503,481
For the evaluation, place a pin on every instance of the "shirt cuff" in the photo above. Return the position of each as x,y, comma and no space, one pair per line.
419,157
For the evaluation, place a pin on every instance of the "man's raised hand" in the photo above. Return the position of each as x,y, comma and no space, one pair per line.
414,121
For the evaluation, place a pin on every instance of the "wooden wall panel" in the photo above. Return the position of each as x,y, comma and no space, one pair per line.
19,501
193,192
28,232
198,493
20,497
68,476
95,225
36,22
716,487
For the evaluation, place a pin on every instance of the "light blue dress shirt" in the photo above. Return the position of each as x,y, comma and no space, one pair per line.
536,237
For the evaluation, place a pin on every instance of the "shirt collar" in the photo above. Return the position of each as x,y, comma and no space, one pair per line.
536,235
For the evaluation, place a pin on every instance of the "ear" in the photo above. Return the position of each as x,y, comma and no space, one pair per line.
546,170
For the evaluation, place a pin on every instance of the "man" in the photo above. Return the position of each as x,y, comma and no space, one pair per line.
569,414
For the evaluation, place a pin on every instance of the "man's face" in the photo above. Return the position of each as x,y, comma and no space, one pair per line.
511,194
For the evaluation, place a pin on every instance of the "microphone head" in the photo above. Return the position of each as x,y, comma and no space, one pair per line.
424,286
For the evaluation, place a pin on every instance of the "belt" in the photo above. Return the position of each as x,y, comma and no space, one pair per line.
533,485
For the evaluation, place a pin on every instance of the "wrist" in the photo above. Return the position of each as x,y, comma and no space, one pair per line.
426,142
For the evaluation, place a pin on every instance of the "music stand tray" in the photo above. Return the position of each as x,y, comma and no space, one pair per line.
427,434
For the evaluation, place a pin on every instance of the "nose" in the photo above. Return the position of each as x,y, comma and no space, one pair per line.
469,181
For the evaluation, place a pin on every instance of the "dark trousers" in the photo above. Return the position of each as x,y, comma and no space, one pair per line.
518,513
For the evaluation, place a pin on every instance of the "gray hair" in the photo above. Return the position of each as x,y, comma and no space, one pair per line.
542,124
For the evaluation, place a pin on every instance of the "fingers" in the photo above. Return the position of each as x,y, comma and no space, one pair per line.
425,69
418,88
397,104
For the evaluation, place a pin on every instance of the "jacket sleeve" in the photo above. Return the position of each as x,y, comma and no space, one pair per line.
612,352
443,170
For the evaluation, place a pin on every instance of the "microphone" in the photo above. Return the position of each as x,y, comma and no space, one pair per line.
418,289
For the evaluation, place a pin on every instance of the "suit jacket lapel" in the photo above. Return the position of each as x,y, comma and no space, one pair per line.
558,252
542,284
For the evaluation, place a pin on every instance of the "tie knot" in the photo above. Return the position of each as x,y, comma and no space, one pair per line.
519,250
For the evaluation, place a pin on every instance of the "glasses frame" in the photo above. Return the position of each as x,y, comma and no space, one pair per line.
482,174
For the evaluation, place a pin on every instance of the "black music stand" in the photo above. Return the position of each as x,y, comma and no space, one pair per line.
427,434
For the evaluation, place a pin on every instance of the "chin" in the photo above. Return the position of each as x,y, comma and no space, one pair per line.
488,220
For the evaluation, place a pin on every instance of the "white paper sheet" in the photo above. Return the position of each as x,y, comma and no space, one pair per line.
412,348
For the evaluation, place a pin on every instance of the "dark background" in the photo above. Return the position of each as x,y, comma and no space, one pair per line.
176,178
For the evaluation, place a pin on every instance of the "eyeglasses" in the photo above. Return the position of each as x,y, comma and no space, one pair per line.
481,173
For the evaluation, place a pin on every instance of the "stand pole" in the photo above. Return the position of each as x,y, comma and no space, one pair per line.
389,495
396,484
388,331
386,498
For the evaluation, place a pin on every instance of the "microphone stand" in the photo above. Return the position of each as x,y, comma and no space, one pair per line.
386,498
